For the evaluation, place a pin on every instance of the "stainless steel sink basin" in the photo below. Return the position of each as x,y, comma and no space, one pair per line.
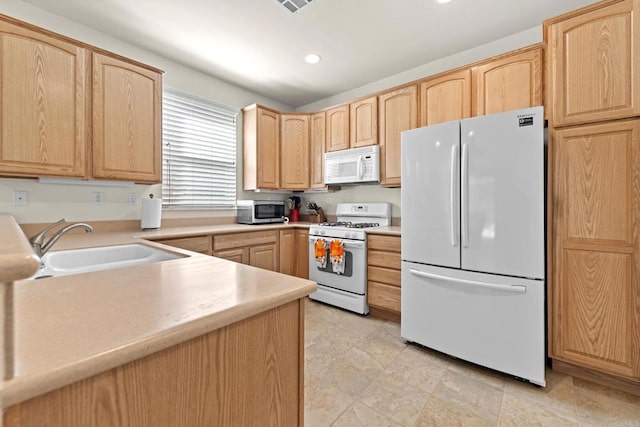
75,261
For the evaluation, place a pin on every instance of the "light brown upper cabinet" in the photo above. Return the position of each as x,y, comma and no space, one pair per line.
445,98
261,148
363,116
398,111
45,107
594,64
318,132
294,165
594,293
337,128
127,121
48,128
509,82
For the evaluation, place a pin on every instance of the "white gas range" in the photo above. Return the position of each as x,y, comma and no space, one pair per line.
338,254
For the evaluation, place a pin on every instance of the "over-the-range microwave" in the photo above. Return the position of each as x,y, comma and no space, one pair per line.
356,165
259,211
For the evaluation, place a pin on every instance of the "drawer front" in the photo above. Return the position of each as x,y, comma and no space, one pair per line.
383,296
384,275
384,259
201,244
239,240
383,243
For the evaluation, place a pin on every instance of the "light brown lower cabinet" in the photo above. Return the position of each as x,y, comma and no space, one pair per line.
595,280
383,276
200,244
256,248
294,252
246,373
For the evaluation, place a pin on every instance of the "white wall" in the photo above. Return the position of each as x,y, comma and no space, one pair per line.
368,193
48,202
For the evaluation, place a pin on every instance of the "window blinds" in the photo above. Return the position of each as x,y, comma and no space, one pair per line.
199,152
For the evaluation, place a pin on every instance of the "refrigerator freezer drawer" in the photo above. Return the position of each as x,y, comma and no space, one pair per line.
493,321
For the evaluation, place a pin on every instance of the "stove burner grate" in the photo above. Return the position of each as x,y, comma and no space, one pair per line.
348,224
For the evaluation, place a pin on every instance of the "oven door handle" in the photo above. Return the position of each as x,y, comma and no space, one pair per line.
347,243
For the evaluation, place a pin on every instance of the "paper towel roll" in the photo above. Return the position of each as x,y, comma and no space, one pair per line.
151,213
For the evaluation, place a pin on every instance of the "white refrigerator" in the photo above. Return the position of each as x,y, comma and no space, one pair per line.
473,237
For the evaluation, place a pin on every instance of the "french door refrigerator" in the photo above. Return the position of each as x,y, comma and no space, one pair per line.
473,235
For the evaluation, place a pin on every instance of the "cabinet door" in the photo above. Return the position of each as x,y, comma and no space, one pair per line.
268,149
288,252
363,117
509,83
264,256
294,151
200,244
595,297
317,149
338,128
127,121
302,254
240,255
594,62
398,112
43,105
445,98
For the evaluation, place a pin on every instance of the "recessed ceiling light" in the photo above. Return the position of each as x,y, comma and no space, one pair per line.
312,58
443,1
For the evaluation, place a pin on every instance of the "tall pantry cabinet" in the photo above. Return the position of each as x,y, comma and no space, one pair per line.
594,148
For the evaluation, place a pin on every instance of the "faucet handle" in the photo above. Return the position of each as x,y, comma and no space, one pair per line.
38,238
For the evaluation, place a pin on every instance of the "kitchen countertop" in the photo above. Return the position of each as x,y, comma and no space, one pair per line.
72,327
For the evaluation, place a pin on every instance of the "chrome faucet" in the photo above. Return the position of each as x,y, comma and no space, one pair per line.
37,241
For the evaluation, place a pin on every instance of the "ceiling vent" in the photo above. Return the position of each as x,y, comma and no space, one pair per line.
294,5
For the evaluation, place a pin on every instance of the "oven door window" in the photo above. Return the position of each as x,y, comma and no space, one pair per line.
348,264
268,211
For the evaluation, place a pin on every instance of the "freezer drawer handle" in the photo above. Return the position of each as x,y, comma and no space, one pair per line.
516,289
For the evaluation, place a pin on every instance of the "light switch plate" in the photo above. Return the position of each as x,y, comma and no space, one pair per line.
20,198
98,197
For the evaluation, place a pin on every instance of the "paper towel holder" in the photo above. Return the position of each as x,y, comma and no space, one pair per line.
151,213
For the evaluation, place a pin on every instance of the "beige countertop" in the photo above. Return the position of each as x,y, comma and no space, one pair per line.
72,327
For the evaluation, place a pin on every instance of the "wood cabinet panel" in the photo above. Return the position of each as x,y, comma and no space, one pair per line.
383,259
261,148
337,128
508,83
294,151
398,111
384,275
288,251
239,240
302,253
384,296
594,293
384,243
264,256
240,255
594,62
445,98
127,121
44,105
251,370
318,131
363,117
200,244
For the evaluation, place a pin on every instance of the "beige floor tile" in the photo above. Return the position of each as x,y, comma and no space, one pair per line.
359,414
475,396
438,412
598,405
382,346
323,405
557,398
394,398
496,379
419,367
516,411
352,372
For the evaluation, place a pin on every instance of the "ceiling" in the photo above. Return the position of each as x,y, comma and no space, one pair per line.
260,45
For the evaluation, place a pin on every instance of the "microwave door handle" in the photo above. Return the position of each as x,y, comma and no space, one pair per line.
360,166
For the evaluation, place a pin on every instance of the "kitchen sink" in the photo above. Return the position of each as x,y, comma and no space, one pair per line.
76,261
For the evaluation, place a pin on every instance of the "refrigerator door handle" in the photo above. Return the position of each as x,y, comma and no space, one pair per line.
465,196
454,197
516,289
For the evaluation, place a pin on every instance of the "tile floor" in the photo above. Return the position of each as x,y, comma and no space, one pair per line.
359,372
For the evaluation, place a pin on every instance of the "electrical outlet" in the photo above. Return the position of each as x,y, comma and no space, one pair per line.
20,198
98,197
133,198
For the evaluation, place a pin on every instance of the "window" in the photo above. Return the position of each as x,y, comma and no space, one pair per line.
199,152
